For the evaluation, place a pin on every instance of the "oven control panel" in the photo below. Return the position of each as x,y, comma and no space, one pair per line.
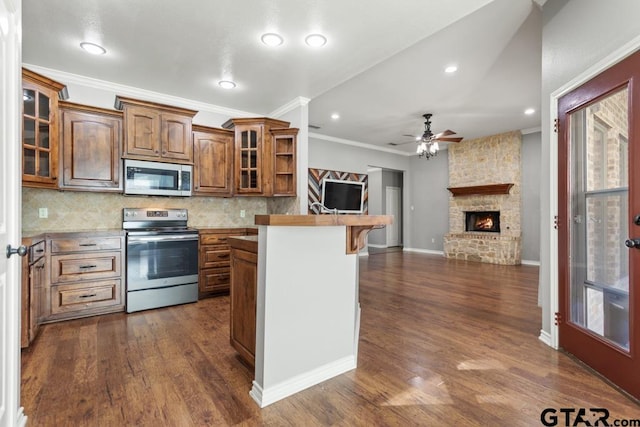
153,214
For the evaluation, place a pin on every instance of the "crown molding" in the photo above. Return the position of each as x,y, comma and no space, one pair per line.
296,102
531,130
134,92
357,144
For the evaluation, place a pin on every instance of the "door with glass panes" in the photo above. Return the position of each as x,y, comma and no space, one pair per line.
599,223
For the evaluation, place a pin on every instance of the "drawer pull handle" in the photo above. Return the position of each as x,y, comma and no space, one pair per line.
87,244
87,296
39,250
223,255
88,266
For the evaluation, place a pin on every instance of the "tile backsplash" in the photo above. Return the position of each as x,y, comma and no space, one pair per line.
80,211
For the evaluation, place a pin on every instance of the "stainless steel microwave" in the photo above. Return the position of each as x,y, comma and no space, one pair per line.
157,179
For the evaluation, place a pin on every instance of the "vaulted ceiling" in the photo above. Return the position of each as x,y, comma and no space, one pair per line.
381,68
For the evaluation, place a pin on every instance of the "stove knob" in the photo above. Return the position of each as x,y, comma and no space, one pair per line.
127,214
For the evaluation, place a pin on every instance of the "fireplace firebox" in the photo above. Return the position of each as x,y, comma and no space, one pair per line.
488,221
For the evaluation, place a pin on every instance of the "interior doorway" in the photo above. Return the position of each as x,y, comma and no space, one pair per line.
386,198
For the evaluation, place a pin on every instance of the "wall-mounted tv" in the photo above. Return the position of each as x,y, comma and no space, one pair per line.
343,196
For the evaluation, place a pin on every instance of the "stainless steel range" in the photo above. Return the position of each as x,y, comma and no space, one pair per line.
162,258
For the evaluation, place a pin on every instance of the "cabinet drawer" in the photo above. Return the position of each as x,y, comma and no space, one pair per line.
36,251
75,267
214,280
216,239
83,244
215,257
84,296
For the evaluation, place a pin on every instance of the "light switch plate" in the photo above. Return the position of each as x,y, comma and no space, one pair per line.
43,213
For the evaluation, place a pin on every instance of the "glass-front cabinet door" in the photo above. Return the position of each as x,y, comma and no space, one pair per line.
40,129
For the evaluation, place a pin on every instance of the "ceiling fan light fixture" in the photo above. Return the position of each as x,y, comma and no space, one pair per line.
315,40
272,39
93,48
451,69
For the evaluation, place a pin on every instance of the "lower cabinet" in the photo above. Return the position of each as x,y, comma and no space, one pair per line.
244,271
33,284
86,275
213,267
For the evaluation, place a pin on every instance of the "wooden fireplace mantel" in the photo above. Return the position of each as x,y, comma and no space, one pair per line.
481,189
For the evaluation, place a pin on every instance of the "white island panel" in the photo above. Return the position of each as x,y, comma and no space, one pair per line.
307,309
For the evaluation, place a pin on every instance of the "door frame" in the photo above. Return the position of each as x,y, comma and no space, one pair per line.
552,338
11,414
397,218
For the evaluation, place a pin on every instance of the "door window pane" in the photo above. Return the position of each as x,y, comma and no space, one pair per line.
599,209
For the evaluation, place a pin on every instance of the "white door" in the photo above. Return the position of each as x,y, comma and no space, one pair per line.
393,208
10,200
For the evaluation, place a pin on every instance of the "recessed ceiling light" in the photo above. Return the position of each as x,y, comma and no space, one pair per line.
93,48
315,40
529,111
451,69
226,84
335,116
272,39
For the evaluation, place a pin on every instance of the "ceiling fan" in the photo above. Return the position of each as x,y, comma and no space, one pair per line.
428,142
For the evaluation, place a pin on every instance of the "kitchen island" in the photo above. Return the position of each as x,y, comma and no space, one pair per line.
307,307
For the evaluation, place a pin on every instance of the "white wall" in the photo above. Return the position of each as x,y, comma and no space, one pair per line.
429,208
577,34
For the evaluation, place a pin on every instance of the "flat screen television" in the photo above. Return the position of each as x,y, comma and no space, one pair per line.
345,196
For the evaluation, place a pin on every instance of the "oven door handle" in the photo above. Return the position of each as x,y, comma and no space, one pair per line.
165,238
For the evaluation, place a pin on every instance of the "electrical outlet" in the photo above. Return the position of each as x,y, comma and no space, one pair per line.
242,213
43,213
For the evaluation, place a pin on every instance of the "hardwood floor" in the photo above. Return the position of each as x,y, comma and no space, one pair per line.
442,342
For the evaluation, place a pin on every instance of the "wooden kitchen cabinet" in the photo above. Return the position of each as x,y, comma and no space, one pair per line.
212,161
40,129
33,282
215,259
253,154
156,132
91,148
86,274
243,295
284,161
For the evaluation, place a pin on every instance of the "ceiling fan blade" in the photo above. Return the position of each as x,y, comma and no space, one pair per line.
445,133
400,143
449,139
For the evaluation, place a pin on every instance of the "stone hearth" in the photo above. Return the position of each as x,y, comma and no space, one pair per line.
482,163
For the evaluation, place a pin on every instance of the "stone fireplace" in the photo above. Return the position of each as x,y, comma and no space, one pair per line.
485,203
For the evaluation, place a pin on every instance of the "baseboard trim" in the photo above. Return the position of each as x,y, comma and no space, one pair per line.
530,262
423,251
298,383
545,337
377,246
363,253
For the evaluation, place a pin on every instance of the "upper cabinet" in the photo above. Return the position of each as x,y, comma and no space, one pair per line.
156,132
254,158
91,148
40,129
284,161
212,161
